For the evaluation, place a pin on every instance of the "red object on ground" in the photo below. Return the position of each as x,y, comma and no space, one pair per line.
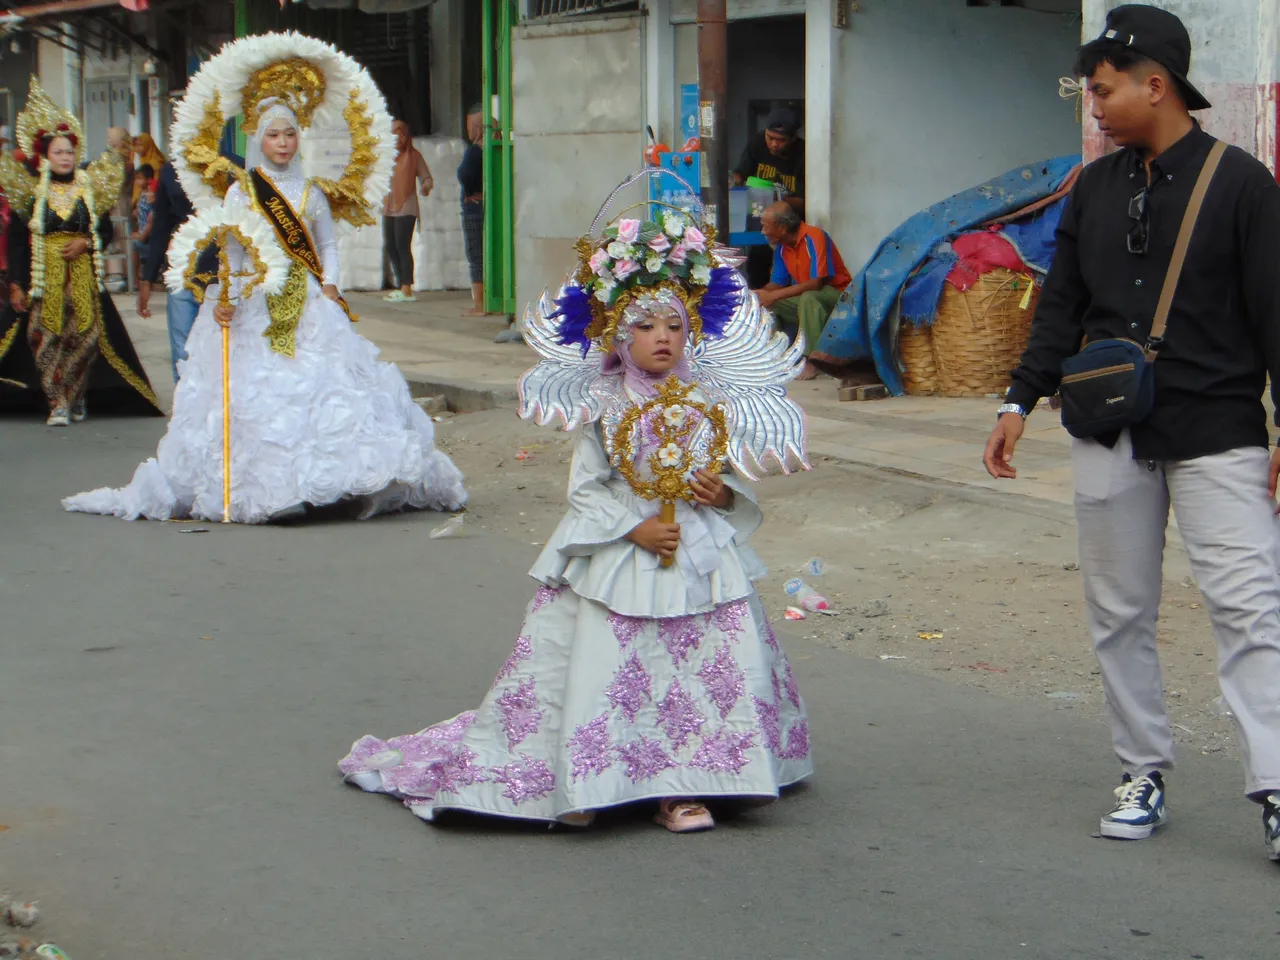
979,254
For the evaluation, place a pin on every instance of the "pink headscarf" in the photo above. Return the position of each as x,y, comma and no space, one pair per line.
641,381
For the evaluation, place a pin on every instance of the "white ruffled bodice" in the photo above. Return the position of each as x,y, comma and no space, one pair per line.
315,211
588,550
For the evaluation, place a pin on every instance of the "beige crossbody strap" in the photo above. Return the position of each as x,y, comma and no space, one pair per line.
1180,248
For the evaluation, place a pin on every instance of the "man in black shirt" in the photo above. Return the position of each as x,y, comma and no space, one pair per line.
1204,447
776,155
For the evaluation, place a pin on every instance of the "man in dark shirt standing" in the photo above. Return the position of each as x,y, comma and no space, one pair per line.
171,210
1204,447
776,155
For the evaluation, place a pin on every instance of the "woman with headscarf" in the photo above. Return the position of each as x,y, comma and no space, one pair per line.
56,236
148,155
317,419
410,177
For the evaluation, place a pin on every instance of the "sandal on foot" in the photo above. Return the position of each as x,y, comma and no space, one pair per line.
683,816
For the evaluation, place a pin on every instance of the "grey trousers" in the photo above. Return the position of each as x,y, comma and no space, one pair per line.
1231,535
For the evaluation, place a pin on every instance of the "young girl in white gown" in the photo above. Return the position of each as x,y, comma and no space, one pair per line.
316,418
631,680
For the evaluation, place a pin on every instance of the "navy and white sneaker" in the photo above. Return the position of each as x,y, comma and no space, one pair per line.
1271,825
1139,808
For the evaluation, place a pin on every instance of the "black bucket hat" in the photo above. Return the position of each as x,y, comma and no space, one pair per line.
1157,35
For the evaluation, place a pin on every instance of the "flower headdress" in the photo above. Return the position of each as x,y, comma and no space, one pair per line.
634,258
735,358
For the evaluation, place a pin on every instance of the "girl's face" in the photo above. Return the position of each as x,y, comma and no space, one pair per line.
62,156
280,143
657,340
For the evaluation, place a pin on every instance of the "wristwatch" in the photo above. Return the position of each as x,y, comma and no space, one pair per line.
1010,408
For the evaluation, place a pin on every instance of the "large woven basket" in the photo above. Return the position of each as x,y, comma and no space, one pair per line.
976,338
915,346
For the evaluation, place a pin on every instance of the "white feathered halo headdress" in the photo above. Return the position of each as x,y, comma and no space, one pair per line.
739,362
327,91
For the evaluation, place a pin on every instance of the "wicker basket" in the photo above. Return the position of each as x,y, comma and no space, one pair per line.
976,339
915,346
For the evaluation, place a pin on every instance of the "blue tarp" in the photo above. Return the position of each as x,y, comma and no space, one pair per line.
857,327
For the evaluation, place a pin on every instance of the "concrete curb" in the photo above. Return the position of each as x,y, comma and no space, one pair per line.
463,397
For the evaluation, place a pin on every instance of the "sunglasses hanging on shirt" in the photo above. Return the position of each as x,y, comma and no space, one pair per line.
1140,230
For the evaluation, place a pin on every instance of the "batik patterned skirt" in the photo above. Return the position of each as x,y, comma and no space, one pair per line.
594,709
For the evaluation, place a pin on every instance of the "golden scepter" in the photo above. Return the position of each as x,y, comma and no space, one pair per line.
263,263
691,436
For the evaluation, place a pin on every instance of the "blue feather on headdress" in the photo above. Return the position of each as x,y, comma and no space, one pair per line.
722,298
575,317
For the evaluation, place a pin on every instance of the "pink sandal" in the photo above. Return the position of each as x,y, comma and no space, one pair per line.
683,816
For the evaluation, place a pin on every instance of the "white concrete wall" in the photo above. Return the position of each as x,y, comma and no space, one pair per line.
1233,63
578,118
930,98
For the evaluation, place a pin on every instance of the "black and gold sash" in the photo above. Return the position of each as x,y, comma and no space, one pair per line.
291,229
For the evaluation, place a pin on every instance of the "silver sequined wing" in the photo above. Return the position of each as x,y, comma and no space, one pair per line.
564,383
747,370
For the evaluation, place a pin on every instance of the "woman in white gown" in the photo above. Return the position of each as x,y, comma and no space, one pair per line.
315,417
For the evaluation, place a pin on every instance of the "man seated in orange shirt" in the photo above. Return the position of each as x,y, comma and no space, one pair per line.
808,276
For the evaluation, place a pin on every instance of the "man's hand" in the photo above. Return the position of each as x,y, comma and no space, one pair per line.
330,291
144,298
426,188
1274,477
224,315
656,537
767,297
75,248
999,453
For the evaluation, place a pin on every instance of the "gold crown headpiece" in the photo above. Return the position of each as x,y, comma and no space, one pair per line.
297,83
41,118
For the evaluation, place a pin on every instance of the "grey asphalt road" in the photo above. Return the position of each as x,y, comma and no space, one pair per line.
173,703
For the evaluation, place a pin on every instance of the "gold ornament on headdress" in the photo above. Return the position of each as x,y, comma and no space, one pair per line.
297,83
41,114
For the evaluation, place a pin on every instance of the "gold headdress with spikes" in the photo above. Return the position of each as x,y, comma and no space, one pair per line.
295,82
42,117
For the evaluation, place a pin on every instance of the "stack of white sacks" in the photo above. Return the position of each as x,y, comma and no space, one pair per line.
440,260
439,253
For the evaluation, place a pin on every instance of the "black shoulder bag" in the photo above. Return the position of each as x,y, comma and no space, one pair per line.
1109,384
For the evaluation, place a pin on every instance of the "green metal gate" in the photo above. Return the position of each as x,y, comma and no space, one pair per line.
499,192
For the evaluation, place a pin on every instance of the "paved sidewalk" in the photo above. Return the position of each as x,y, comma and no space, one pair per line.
442,352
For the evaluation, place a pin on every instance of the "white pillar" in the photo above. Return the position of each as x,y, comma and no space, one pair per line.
660,72
822,50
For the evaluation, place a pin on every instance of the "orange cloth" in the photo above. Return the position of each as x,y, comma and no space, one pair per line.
410,167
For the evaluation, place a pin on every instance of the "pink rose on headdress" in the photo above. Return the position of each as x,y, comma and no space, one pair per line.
599,262
678,253
660,243
695,239
625,268
628,230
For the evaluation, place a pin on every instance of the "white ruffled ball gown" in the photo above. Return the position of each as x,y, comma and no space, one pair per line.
331,423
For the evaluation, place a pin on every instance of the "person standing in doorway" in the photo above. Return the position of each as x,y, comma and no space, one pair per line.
776,154
410,177
171,210
1203,447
